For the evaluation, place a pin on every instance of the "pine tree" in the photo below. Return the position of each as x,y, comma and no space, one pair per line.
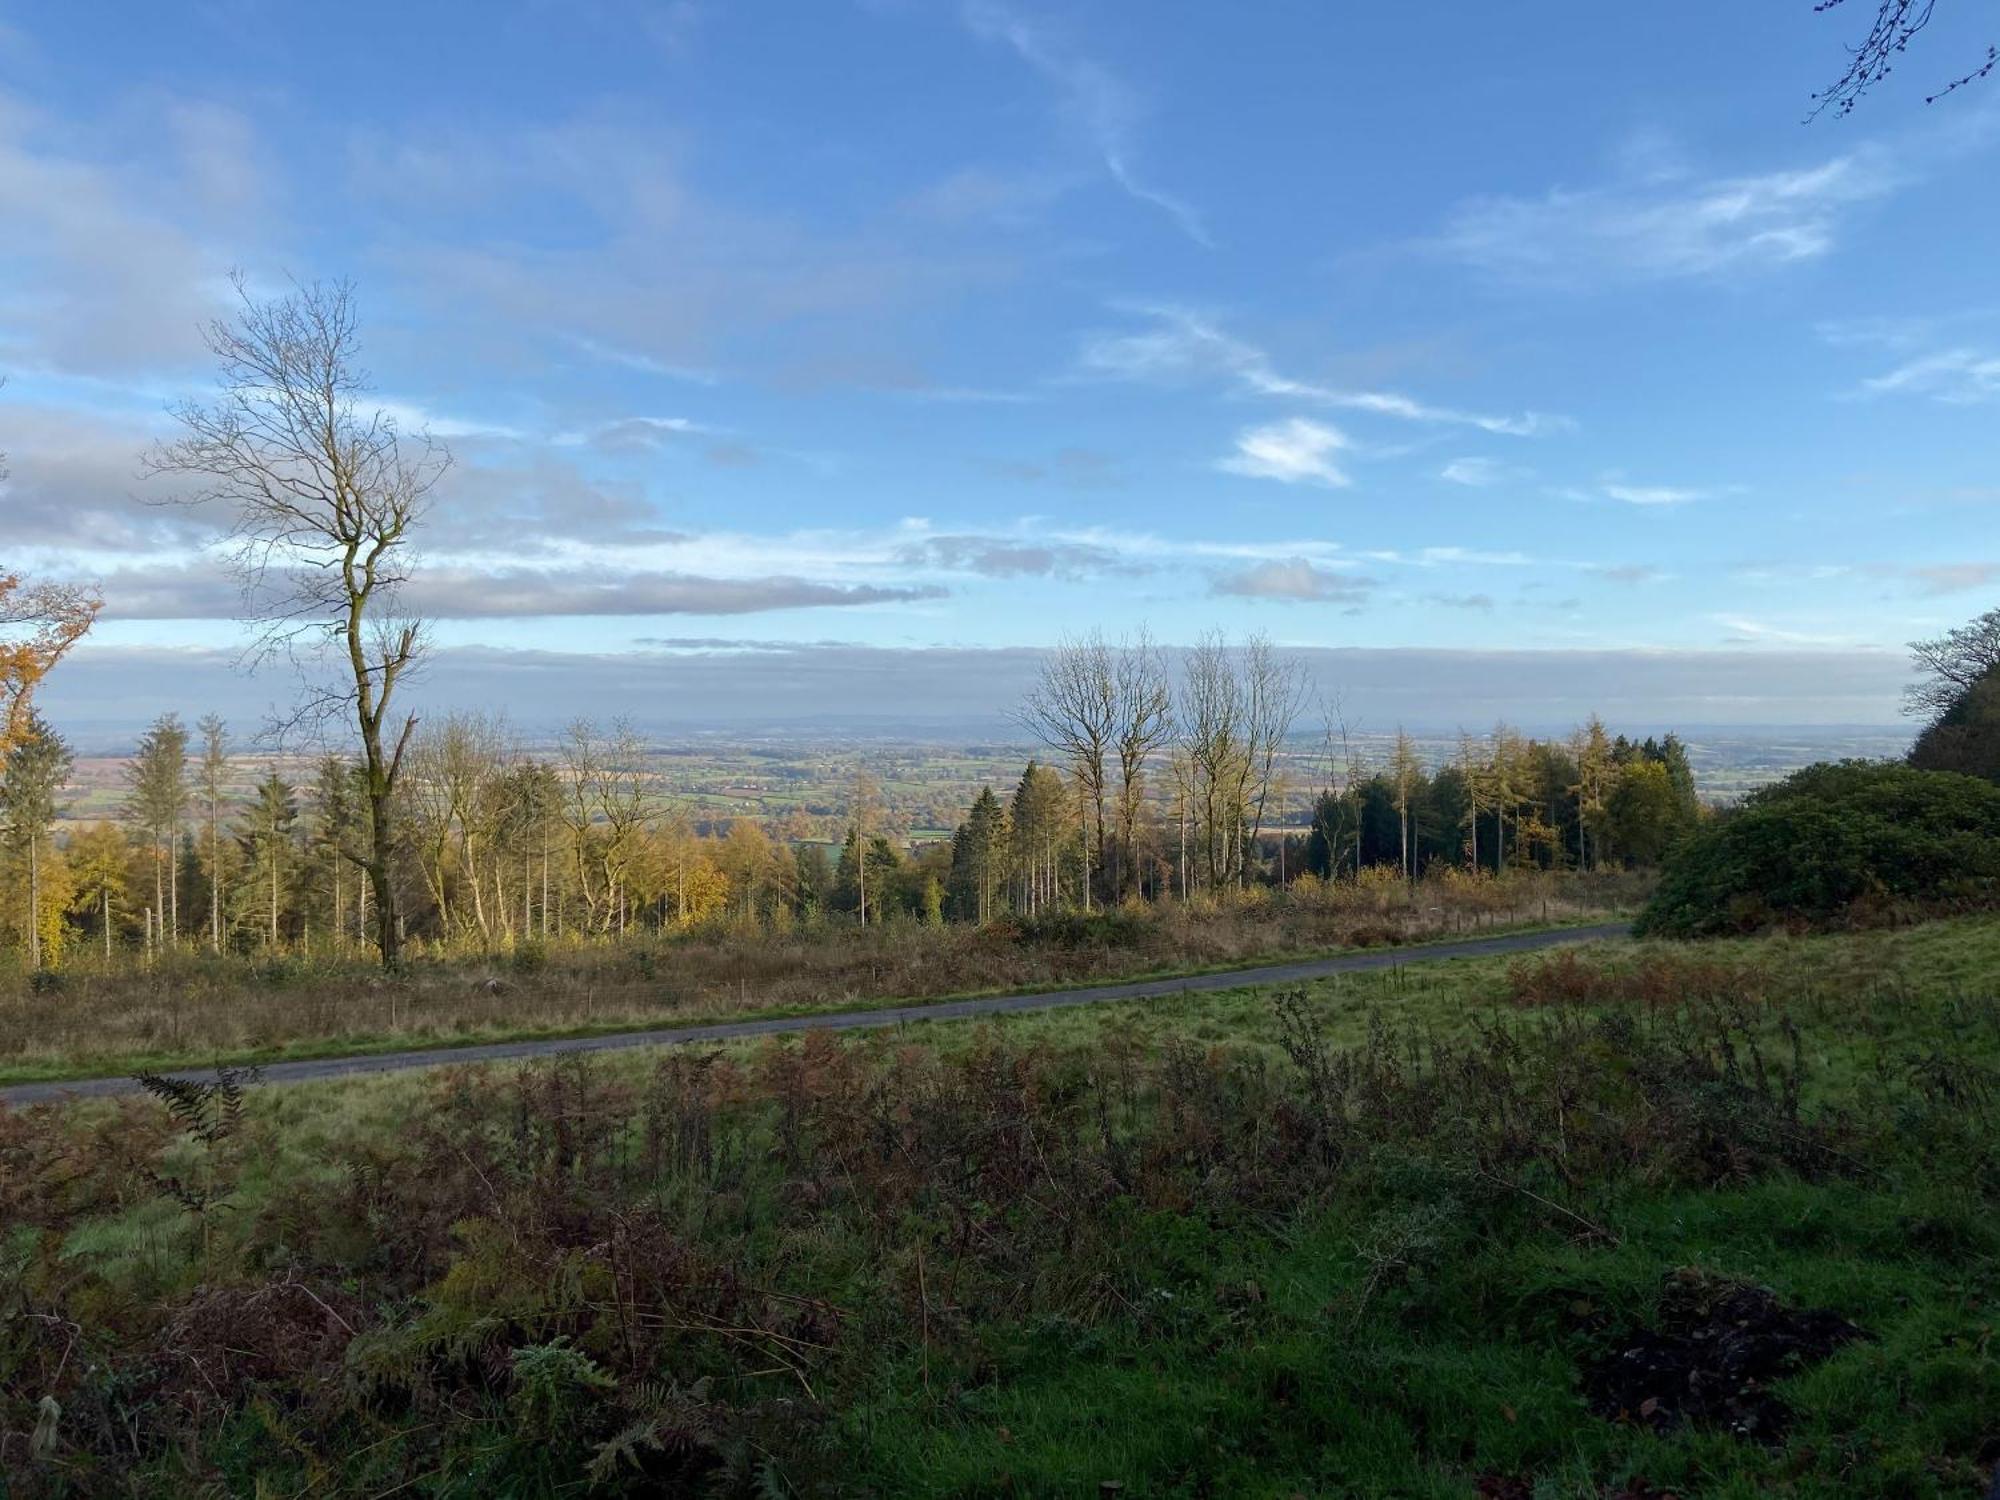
157,777
335,836
1594,775
31,781
1405,771
1039,819
812,879
212,782
979,857
266,838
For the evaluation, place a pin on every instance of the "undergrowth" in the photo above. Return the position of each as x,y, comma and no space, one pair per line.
192,1007
1379,1254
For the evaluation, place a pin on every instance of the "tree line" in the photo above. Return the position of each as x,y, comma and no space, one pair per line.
1161,779
499,847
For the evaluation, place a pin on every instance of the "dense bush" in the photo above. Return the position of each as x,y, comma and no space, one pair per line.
1834,845
1966,736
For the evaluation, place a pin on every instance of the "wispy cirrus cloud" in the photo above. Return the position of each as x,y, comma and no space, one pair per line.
1946,357
1621,491
1627,572
1745,631
1665,223
1481,473
1957,377
1180,345
1101,106
1292,452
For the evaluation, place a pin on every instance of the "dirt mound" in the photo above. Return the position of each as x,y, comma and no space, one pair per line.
1710,1358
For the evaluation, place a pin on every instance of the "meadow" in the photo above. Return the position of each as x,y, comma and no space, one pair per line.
194,1008
1639,1220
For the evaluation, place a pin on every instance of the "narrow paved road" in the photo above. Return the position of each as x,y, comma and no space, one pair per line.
854,1020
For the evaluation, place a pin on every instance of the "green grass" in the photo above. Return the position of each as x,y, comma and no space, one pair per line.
377,1043
1408,1322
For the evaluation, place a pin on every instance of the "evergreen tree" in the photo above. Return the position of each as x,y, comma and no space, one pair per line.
335,835
32,777
1039,821
1405,772
266,838
158,800
812,879
979,858
211,781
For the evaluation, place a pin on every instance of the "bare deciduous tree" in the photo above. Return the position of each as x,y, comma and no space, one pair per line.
1237,707
605,806
1896,25
1145,721
1211,730
1106,710
1073,709
322,497
1952,664
460,784
1273,688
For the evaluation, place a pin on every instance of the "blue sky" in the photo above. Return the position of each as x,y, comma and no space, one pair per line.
911,326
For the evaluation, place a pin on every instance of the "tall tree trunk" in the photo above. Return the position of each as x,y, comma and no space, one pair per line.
34,901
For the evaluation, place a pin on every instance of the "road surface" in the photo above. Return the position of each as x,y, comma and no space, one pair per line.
310,1070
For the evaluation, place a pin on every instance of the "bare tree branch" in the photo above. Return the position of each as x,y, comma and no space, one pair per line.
1897,23
321,498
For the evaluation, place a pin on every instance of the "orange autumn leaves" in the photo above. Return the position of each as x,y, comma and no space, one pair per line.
38,623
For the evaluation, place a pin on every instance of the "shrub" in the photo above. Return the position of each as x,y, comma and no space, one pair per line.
1835,845
1116,928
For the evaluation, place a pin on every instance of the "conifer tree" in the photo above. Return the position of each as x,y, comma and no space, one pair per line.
32,777
158,800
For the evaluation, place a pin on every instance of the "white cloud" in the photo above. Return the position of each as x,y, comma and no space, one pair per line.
104,261
646,271
206,591
1292,452
1183,345
1296,580
1617,488
1665,223
1953,578
107,693
1099,103
1479,473
646,364
1652,494
1760,632
410,417
1957,377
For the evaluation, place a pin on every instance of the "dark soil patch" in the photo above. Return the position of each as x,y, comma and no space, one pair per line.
1711,1357
1512,1487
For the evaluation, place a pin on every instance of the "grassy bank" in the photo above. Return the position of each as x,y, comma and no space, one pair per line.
193,1009
1455,1231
